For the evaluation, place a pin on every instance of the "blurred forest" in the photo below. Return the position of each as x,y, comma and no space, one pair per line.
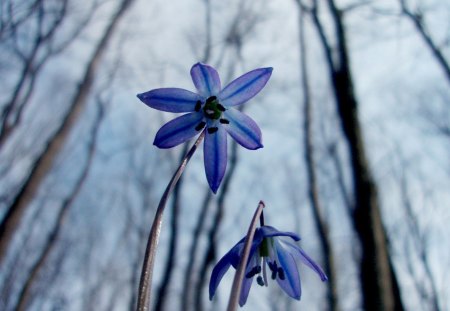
356,133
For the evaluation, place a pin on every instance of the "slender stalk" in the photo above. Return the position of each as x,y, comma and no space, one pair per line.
239,275
153,239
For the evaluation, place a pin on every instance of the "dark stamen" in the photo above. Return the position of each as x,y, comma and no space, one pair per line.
211,99
200,126
251,273
224,121
260,281
212,130
220,107
258,269
272,266
198,105
281,273
274,274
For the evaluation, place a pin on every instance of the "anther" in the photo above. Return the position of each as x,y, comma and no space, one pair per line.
200,126
224,121
281,273
258,269
211,99
220,107
272,266
212,130
259,280
252,272
274,274
198,105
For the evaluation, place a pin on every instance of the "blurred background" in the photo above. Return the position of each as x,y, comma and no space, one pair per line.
356,133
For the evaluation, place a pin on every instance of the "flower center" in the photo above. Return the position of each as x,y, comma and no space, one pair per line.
213,109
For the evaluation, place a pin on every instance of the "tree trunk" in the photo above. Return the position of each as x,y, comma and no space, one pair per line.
379,285
313,191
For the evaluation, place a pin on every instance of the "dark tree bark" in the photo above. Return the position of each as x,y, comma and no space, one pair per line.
44,163
379,285
320,222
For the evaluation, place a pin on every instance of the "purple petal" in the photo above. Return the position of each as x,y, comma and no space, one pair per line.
245,87
247,282
268,231
291,283
232,258
215,156
245,290
243,129
304,258
315,267
178,130
170,99
218,272
206,79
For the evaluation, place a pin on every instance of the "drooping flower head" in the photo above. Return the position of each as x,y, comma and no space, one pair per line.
211,110
273,253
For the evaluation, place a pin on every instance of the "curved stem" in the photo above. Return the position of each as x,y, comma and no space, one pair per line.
239,276
153,239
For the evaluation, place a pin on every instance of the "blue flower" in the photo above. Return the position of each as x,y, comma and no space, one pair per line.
270,249
210,109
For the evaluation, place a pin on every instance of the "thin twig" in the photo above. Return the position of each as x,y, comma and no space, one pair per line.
239,276
153,239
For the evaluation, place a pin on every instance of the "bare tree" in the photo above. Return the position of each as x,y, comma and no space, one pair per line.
379,285
52,239
45,44
416,16
320,222
45,161
426,286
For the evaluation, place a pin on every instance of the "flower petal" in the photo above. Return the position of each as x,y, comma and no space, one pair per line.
245,87
269,231
206,79
178,130
243,129
304,258
170,99
245,290
291,282
247,282
232,258
215,157
218,272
